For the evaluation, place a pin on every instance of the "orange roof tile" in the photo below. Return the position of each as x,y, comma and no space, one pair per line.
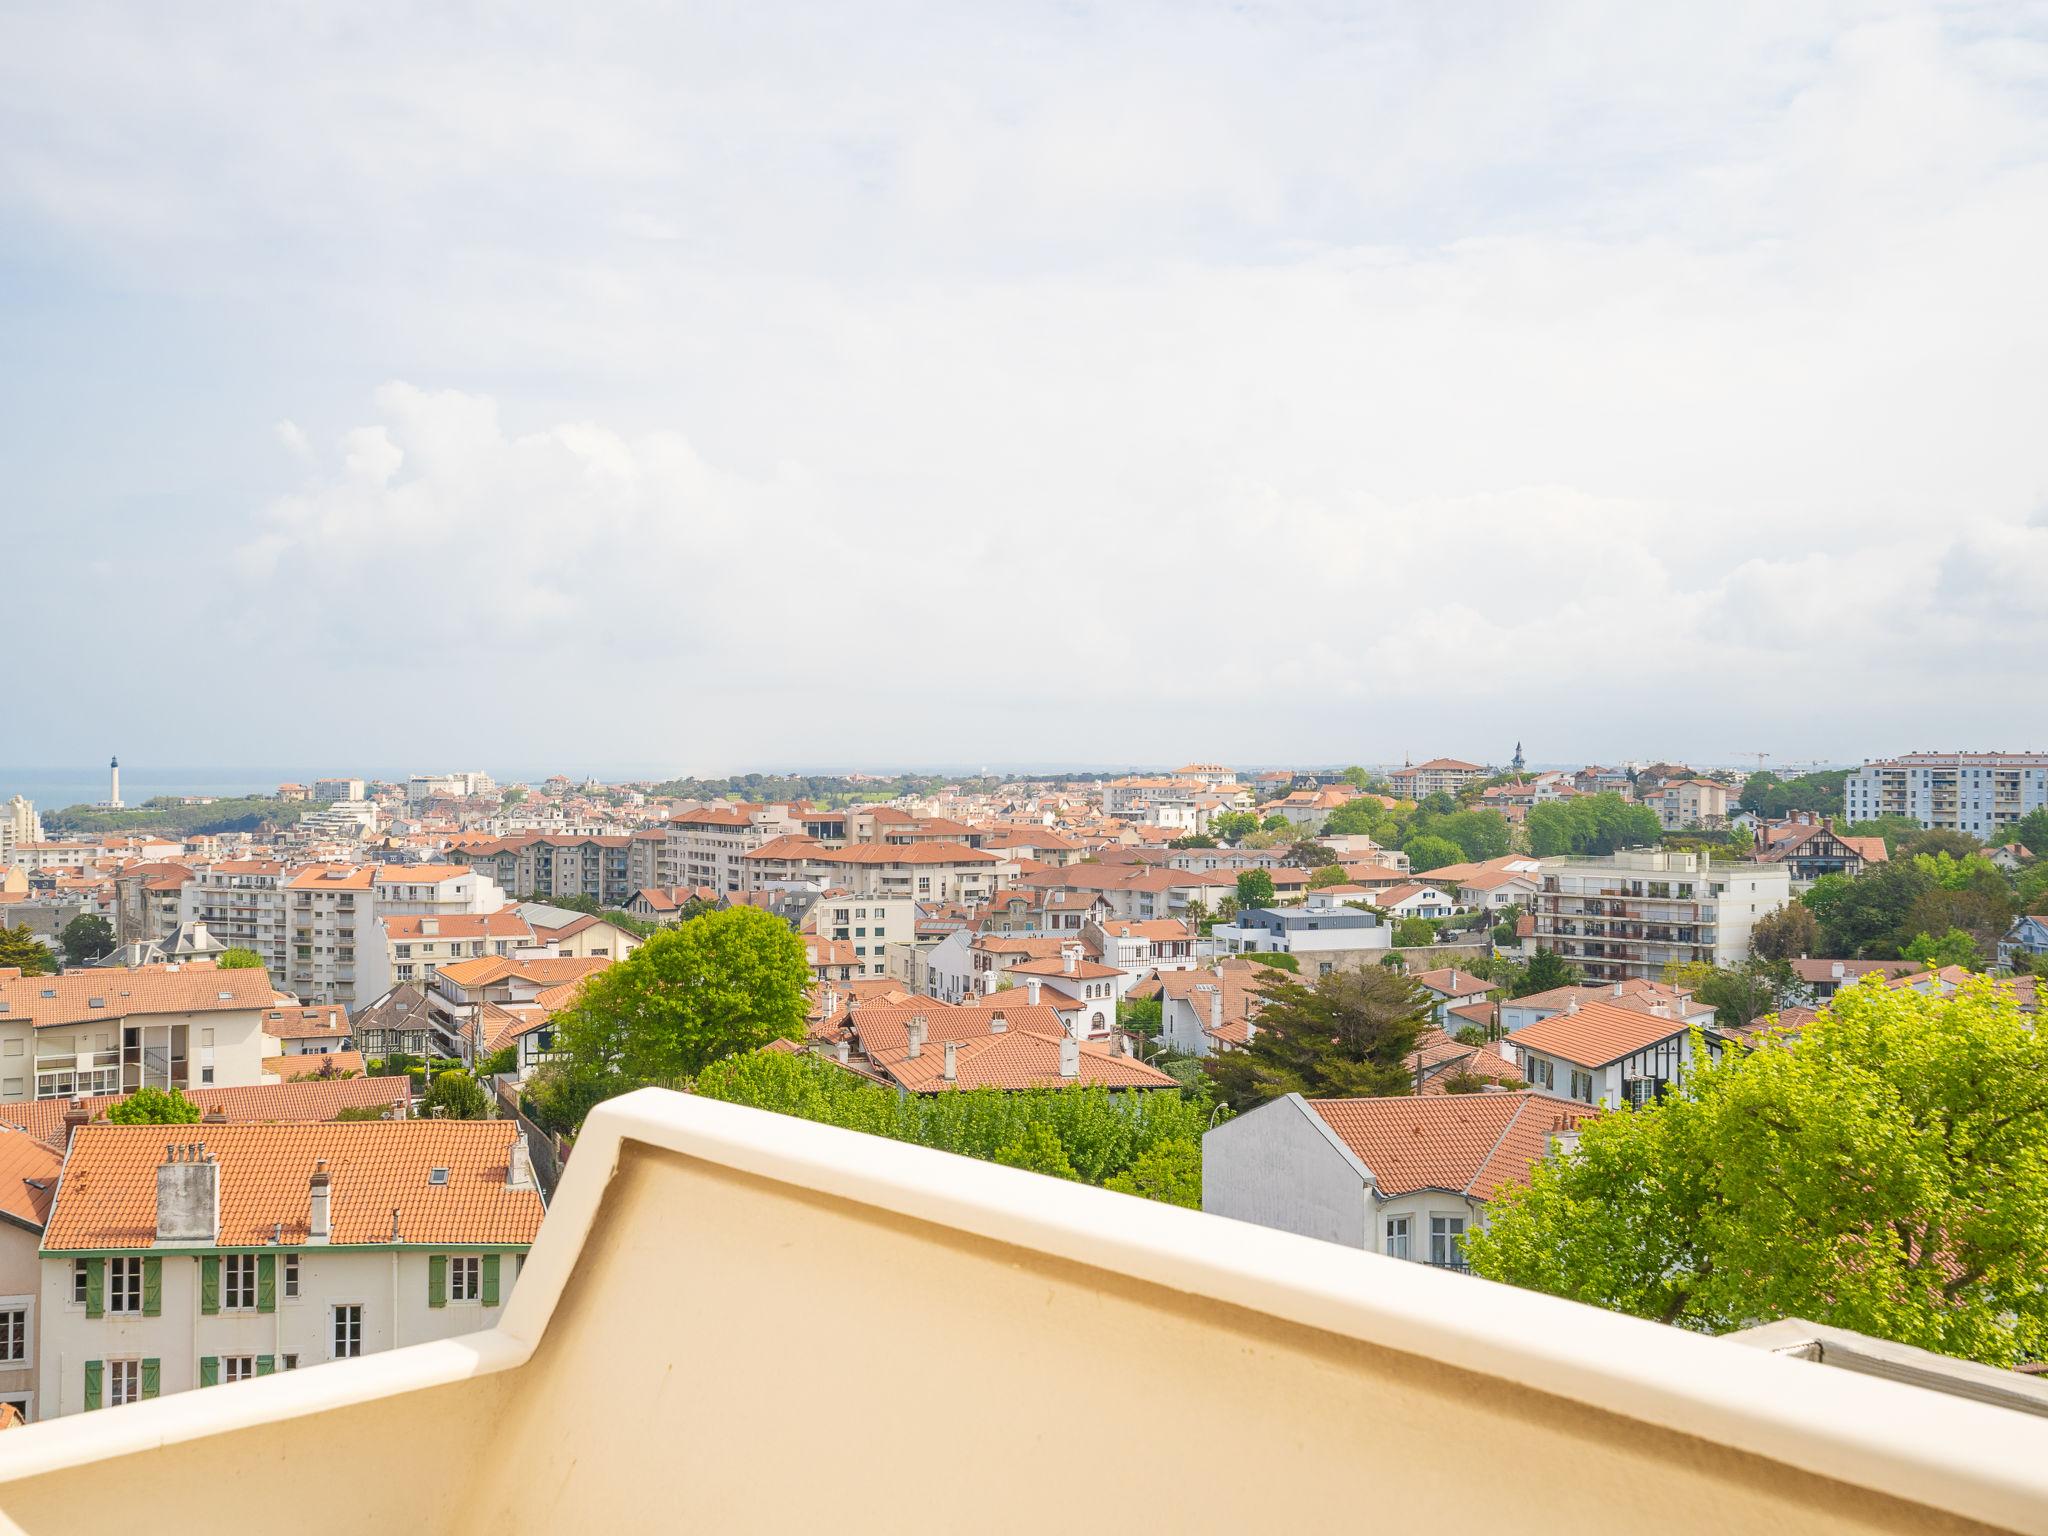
1017,1059
1469,1143
28,1178
264,1103
68,999
108,1195
1596,1034
319,1065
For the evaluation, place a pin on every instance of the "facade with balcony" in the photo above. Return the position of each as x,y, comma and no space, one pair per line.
1628,916
644,1374
1980,793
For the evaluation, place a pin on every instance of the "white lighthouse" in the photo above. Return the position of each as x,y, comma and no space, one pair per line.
114,785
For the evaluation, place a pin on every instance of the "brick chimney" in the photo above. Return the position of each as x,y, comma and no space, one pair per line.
319,1193
187,1195
914,1033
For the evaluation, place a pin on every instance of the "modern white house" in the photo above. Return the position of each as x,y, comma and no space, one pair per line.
1406,1177
1321,938
1597,1053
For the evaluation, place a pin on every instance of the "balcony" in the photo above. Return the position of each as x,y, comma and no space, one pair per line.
659,1368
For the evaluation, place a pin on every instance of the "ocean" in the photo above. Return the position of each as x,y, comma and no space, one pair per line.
56,789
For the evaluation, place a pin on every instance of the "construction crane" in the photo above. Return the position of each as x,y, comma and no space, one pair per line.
1761,758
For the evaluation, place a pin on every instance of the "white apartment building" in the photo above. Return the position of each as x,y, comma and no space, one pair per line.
869,923
243,1250
242,903
337,789
422,787
1980,793
19,824
1446,775
1628,916
110,1030
708,846
1689,803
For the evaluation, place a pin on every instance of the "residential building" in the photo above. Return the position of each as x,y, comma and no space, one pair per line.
1138,949
1633,913
422,787
29,1171
708,846
1644,996
1688,803
1981,793
1448,988
1822,979
927,1047
242,1250
337,790
147,897
19,824
51,1121
867,924
543,865
113,1031
242,903
1414,898
415,943
476,1005
1440,775
1597,1053
1811,849
2027,936
1404,1177
1321,939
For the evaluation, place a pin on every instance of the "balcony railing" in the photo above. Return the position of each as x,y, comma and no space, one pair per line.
1047,1300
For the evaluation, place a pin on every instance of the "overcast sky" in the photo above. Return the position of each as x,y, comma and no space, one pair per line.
721,386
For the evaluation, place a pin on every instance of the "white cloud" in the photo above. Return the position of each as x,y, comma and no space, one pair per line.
825,385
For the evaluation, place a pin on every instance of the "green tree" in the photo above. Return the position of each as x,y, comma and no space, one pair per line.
1426,851
1414,932
1349,1033
1329,874
1193,840
728,981
1953,948
1254,889
86,938
239,959
1357,777
1170,1172
22,950
1232,826
1590,824
1038,1150
1545,972
456,1095
1790,933
1738,994
1363,817
1888,1174
154,1106
1893,829
1771,797
1480,835
1865,918
2031,833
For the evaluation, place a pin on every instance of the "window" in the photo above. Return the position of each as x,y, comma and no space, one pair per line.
1397,1237
348,1332
1447,1241
237,1367
124,1381
14,1335
124,1286
78,1282
291,1276
1540,1073
1582,1086
291,1362
465,1277
238,1282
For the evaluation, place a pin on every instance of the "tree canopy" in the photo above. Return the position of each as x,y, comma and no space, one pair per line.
720,983
455,1095
239,959
1590,824
21,949
86,938
1771,797
154,1106
1348,1033
1428,852
1887,1174
1254,888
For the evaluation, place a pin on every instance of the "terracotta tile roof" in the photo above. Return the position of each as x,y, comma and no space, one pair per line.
545,971
124,993
905,853
503,924
1056,966
1824,970
332,877
320,1065
306,1023
28,1178
1032,945
108,1195
1596,1034
1469,1143
883,1028
1452,982
1016,1059
264,1103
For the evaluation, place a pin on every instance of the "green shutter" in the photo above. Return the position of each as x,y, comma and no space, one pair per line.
209,1284
95,1287
152,1287
266,1282
94,1370
152,1376
266,1364
490,1268
437,1280
209,1370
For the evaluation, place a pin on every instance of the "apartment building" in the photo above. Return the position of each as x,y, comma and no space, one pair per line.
242,1250
242,902
19,824
113,1031
925,872
414,943
708,846
1629,915
1981,793
869,924
1445,775
551,864
336,790
1689,803
146,901
422,787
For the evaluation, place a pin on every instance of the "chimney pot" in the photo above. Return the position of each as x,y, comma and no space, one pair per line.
952,1071
1070,1057
319,1227
914,1034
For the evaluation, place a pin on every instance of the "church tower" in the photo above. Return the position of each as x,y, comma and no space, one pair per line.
1517,765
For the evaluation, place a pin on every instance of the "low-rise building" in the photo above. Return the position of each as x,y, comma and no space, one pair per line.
1596,1053
113,1031
1321,939
242,1250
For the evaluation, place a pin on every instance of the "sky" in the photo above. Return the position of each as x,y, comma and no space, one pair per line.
729,387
